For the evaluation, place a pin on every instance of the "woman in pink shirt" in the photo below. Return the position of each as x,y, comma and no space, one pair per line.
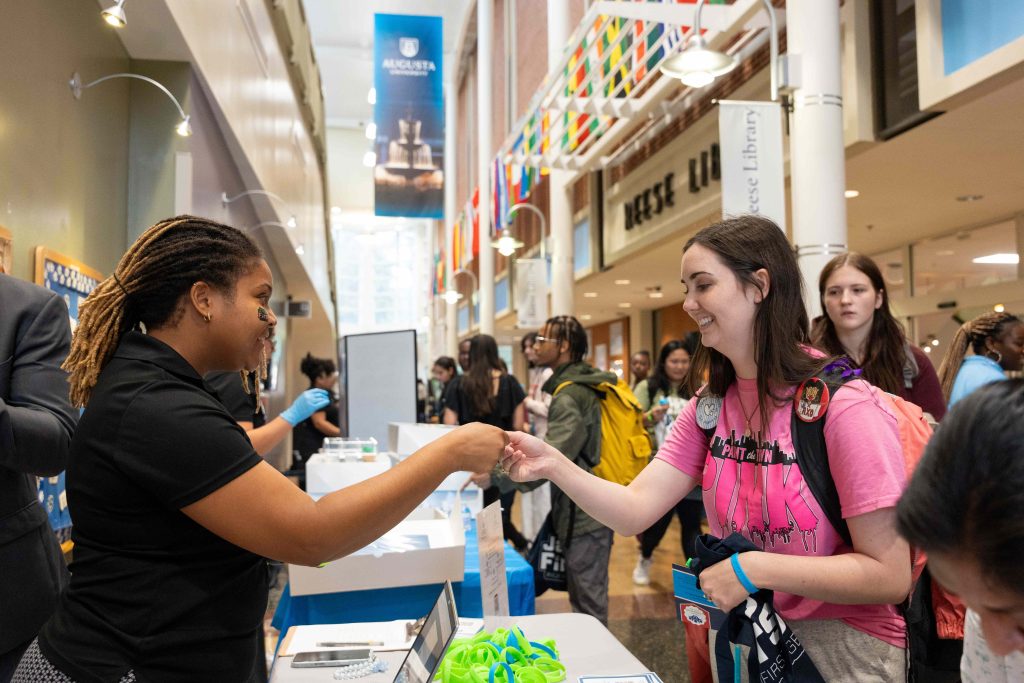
743,288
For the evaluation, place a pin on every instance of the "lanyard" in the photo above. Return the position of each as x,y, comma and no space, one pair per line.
504,656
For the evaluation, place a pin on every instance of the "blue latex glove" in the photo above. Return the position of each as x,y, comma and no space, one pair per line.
308,402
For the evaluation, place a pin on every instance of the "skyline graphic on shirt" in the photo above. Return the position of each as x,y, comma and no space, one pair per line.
743,471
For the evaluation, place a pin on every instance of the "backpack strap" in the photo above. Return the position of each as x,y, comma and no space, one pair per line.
810,404
600,395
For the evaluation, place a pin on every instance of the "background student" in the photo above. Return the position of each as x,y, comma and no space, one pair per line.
487,393
663,396
859,325
997,340
313,426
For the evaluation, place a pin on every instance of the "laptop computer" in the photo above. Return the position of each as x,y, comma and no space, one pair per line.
432,642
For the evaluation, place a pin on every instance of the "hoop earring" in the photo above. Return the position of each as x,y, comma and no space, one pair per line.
207,317
997,359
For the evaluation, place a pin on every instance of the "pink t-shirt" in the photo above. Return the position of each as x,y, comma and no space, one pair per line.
760,492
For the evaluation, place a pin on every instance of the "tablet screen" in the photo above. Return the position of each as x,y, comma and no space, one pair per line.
433,639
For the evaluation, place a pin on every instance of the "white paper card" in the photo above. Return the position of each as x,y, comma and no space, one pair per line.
384,635
493,582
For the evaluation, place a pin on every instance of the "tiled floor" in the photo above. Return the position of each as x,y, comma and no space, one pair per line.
643,618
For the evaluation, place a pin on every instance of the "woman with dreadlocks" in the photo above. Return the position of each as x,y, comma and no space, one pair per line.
997,340
174,510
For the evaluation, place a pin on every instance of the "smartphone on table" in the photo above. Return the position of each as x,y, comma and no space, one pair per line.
331,658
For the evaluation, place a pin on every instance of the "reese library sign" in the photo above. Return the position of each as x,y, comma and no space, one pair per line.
677,186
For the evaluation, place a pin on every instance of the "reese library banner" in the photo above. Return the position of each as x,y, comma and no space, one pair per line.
409,114
750,135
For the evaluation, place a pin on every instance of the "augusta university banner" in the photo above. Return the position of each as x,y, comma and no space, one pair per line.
408,178
750,135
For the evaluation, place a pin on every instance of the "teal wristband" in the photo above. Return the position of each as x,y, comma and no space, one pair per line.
745,581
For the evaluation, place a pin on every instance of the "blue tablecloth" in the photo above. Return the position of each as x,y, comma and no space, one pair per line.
408,602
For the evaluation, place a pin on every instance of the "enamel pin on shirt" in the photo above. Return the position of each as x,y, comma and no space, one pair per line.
708,410
811,400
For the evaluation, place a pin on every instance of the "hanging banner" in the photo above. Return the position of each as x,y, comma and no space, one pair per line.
750,135
408,178
531,293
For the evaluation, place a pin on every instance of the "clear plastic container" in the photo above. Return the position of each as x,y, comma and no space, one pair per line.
350,448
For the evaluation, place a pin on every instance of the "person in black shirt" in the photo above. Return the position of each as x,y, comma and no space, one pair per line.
233,391
173,508
309,434
442,373
487,393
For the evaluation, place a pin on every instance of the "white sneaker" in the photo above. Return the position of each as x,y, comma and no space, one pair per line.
642,573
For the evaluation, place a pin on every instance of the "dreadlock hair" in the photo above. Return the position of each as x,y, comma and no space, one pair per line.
746,244
568,328
477,382
885,350
314,368
973,333
147,286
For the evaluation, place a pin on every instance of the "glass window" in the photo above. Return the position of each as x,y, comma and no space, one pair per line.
581,247
969,258
381,277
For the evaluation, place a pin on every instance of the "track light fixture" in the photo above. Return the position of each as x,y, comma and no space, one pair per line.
225,200
114,15
184,128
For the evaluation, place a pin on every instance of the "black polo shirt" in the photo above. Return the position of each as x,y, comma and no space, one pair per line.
150,589
227,386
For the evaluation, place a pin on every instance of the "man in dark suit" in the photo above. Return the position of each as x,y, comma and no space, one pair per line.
36,424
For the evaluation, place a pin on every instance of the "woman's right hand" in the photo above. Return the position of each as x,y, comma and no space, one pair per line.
528,458
657,412
477,446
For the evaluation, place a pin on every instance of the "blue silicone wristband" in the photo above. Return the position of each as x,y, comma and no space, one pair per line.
745,581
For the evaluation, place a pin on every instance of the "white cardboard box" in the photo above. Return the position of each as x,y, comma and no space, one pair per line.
405,438
444,559
325,474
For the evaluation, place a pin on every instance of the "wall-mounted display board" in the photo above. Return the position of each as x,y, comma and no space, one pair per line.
73,281
68,277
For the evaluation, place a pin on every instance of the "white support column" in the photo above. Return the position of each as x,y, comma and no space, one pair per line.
485,157
560,213
451,111
818,160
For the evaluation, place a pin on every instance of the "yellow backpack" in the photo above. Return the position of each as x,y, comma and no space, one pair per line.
625,445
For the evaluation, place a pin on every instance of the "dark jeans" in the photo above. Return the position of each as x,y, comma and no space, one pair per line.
512,534
690,513
586,572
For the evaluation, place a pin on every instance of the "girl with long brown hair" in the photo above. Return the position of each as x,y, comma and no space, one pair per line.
487,393
743,289
858,324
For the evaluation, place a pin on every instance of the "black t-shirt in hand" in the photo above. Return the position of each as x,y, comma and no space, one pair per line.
151,590
510,395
